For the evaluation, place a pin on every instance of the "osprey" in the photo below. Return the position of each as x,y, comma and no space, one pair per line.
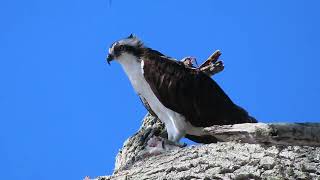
185,99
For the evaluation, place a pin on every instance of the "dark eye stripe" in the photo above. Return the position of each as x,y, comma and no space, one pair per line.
129,49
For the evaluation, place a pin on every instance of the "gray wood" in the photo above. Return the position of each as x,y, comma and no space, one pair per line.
303,134
227,160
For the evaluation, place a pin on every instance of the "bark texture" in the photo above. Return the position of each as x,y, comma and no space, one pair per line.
303,134
133,148
255,151
228,160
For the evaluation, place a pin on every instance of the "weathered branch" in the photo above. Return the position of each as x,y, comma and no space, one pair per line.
227,160
293,134
304,134
262,158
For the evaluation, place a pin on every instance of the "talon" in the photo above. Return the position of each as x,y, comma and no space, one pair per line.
171,143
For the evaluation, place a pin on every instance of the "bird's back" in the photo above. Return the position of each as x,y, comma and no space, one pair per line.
191,93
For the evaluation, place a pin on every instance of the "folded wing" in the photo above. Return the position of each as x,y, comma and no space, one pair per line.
190,92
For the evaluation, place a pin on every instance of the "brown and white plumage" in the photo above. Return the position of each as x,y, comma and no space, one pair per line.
185,99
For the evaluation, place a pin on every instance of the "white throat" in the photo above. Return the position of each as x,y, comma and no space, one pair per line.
132,66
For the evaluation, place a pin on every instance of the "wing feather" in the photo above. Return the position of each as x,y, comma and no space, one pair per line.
190,92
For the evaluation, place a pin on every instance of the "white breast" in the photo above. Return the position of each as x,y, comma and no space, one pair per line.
175,123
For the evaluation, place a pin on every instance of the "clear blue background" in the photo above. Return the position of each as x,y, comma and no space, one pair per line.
65,112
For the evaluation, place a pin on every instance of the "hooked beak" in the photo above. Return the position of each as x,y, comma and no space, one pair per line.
110,58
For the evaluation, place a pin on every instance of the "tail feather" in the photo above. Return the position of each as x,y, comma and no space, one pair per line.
242,116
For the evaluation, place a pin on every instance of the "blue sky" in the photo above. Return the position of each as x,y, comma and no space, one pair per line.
65,112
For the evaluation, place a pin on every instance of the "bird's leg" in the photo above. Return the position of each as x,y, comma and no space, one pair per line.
174,135
172,143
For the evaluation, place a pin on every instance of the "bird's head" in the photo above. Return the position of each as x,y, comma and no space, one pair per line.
130,45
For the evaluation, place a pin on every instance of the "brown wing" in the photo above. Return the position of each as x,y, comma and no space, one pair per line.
190,92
